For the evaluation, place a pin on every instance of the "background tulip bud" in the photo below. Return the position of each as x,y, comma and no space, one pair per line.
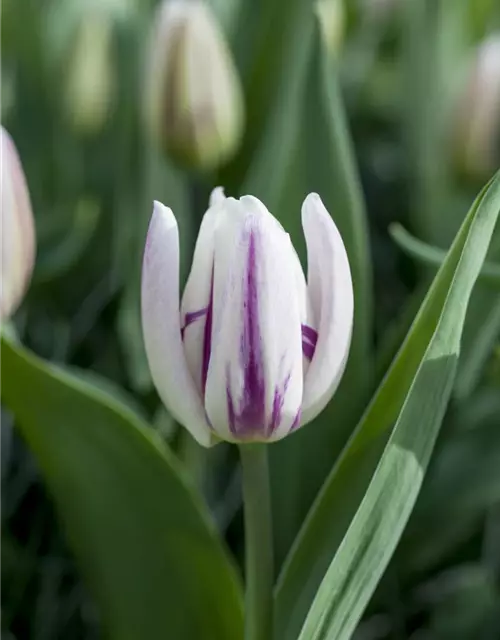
90,81
18,232
194,97
379,9
477,129
332,19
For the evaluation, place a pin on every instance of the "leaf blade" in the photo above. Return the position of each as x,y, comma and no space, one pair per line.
434,338
142,537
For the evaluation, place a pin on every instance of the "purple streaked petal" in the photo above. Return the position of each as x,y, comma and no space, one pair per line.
256,335
197,291
250,415
296,421
191,317
310,334
308,350
309,340
278,402
207,338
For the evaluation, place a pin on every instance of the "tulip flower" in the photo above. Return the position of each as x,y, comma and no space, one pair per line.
252,352
18,231
194,99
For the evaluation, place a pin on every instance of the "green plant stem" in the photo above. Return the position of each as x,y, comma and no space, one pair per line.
258,542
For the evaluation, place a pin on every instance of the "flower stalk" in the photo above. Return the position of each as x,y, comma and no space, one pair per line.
259,564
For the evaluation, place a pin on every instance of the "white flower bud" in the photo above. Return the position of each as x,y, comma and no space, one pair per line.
18,231
194,97
477,127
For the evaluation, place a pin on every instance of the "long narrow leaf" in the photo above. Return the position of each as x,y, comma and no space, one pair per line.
144,541
414,396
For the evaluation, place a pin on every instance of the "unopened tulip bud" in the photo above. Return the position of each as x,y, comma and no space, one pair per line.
477,130
90,80
379,10
252,352
18,231
194,97
332,20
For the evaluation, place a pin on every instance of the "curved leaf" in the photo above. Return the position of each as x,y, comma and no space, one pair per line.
431,255
381,469
144,541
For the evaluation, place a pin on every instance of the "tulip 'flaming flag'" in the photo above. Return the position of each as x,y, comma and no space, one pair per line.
253,352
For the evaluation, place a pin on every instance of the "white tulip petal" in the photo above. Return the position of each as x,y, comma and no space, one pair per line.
161,325
255,379
331,295
217,196
195,305
18,231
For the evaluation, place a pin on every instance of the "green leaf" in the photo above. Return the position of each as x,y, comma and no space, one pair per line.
271,69
144,541
481,334
432,51
434,256
365,503
462,483
482,328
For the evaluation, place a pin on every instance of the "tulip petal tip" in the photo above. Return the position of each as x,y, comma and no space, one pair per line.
217,197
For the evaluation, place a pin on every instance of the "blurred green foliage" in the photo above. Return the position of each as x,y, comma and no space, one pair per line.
395,80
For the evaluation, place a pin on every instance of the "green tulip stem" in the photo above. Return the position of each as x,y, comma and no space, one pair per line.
259,570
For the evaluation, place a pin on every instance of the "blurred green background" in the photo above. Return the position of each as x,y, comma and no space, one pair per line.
420,83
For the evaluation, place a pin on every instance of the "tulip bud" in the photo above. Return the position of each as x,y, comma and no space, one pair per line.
477,129
253,352
90,80
18,231
379,10
331,15
194,97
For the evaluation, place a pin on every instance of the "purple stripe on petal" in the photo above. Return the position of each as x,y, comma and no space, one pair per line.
252,410
249,418
191,317
308,350
296,422
278,401
310,334
207,338
309,340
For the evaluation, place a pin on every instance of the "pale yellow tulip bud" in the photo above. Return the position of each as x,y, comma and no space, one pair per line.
331,15
18,230
90,87
194,97
477,127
